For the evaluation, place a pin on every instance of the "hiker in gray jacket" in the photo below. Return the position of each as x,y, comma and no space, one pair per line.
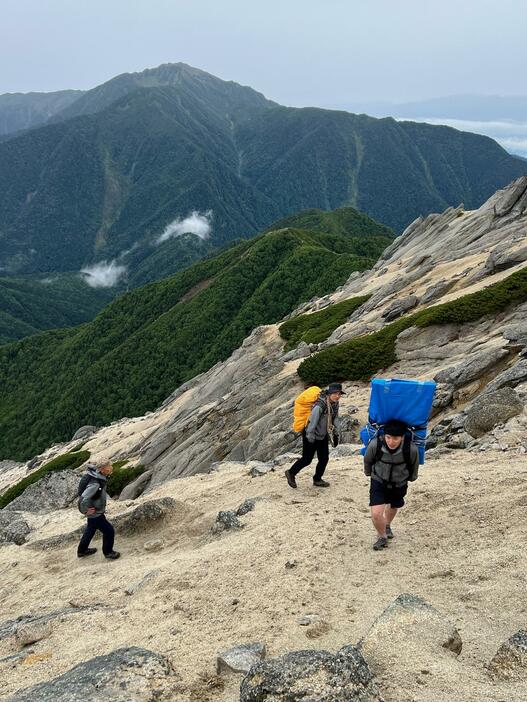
321,428
92,503
392,461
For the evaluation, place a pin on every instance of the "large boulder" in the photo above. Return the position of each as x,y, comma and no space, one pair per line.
409,635
240,659
306,676
472,368
125,675
56,490
510,661
491,409
84,432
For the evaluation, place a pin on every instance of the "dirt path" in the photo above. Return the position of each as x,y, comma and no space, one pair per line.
459,544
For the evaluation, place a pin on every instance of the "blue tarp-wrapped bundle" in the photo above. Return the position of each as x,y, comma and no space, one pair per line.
409,401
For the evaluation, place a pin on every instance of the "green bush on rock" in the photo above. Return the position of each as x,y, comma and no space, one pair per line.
362,357
121,477
318,326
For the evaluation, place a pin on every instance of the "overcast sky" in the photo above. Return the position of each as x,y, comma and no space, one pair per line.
298,52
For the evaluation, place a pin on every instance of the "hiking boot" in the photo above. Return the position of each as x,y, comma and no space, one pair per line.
88,552
382,542
113,555
389,532
318,482
290,479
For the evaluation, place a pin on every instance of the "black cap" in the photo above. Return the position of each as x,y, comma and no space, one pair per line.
395,428
335,387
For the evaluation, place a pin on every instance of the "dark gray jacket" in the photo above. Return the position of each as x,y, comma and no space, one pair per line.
390,464
317,426
94,494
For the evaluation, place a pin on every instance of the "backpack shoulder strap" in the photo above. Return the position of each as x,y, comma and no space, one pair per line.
378,450
407,453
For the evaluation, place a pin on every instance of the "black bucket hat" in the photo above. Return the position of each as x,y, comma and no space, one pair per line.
335,387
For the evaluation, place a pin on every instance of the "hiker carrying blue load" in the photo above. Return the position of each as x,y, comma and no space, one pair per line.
392,460
321,428
92,503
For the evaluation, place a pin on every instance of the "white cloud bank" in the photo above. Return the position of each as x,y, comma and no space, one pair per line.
510,134
103,274
196,223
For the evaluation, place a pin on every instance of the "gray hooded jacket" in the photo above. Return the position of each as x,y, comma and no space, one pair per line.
317,427
94,494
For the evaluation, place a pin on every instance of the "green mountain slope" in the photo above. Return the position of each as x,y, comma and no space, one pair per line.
131,156
19,111
28,306
146,343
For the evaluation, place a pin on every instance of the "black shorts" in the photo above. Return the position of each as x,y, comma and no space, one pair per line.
381,494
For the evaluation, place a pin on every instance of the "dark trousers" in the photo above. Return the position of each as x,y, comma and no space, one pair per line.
103,525
321,448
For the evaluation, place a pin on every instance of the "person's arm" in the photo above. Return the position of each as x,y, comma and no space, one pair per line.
369,457
414,453
89,492
312,424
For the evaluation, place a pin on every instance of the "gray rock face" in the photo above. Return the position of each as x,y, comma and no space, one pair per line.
399,307
437,290
240,659
474,367
510,378
257,469
142,518
301,351
9,628
13,528
491,409
309,676
84,432
125,675
409,634
53,491
500,260
137,585
510,661
344,450
444,395
433,342
517,334
136,488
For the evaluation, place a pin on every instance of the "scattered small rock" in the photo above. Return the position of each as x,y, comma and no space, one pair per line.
290,564
154,545
225,521
510,661
31,632
240,659
139,584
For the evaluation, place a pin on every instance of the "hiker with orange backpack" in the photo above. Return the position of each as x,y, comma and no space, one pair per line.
316,414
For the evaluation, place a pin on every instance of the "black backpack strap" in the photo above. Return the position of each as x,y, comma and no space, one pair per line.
407,453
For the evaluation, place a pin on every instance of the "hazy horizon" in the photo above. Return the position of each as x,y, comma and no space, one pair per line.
297,53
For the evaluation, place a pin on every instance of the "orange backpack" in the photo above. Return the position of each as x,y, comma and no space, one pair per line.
303,406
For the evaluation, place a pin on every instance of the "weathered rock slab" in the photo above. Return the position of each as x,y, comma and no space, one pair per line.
30,632
474,367
125,675
136,488
491,409
309,676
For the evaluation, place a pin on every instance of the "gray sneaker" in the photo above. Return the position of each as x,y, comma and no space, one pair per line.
389,532
382,542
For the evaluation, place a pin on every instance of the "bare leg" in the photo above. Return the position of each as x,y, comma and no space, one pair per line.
389,513
378,519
